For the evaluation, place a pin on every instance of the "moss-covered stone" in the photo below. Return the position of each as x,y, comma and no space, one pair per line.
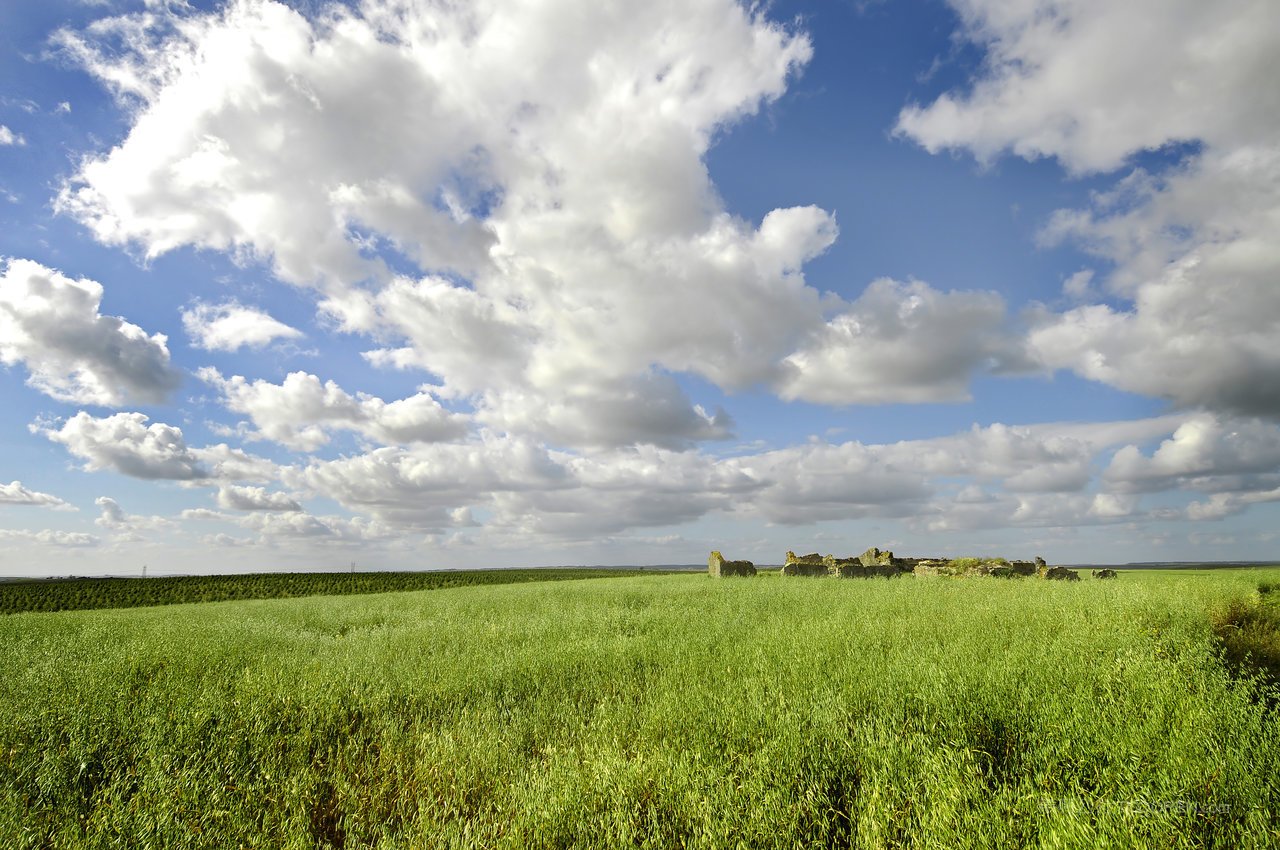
812,565
717,566
873,557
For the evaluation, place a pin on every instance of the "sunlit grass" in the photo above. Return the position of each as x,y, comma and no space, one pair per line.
659,711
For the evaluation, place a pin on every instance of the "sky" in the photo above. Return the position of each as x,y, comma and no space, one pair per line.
413,284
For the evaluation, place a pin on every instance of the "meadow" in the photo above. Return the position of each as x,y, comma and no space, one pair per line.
76,594
654,711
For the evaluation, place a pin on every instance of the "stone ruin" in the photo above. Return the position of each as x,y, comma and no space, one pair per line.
880,563
872,562
718,566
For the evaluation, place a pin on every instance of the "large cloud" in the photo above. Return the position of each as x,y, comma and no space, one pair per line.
1192,249
1205,453
301,412
1092,81
1196,252
901,342
51,323
125,443
509,196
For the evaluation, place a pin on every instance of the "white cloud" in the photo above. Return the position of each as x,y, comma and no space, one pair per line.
1092,81
1204,453
650,409
901,342
14,493
537,168
51,324
206,515
228,464
8,137
294,527
302,412
50,537
238,498
125,443
1222,505
820,481
230,326
126,527
1193,249
421,484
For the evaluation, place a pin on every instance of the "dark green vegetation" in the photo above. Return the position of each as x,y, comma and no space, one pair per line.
83,593
659,711
1250,633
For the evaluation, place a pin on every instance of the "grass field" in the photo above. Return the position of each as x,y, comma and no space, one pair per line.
657,711
84,593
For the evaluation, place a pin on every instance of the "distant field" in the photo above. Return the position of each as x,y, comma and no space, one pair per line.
86,593
655,711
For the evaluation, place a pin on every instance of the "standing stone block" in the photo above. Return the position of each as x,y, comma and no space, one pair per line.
719,567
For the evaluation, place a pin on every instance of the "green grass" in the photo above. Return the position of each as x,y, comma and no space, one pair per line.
659,711
85,593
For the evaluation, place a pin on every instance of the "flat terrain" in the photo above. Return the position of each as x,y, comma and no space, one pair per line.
654,711
77,594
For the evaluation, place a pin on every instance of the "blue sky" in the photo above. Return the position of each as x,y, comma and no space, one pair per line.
552,282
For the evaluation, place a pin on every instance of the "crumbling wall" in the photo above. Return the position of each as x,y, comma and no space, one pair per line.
812,565
717,566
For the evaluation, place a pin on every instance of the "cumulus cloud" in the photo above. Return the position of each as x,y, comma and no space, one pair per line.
1222,505
14,493
50,537
421,484
51,324
126,527
1206,452
1194,250
650,409
1191,248
230,326
510,197
1034,476
8,137
301,412
1090,82
125,443
239,498
294,527
901,342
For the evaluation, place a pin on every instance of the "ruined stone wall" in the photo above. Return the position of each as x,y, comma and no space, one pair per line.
720,568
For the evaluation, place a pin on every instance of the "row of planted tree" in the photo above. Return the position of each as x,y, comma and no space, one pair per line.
878,563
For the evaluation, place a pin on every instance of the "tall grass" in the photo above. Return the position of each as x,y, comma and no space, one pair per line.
652,712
